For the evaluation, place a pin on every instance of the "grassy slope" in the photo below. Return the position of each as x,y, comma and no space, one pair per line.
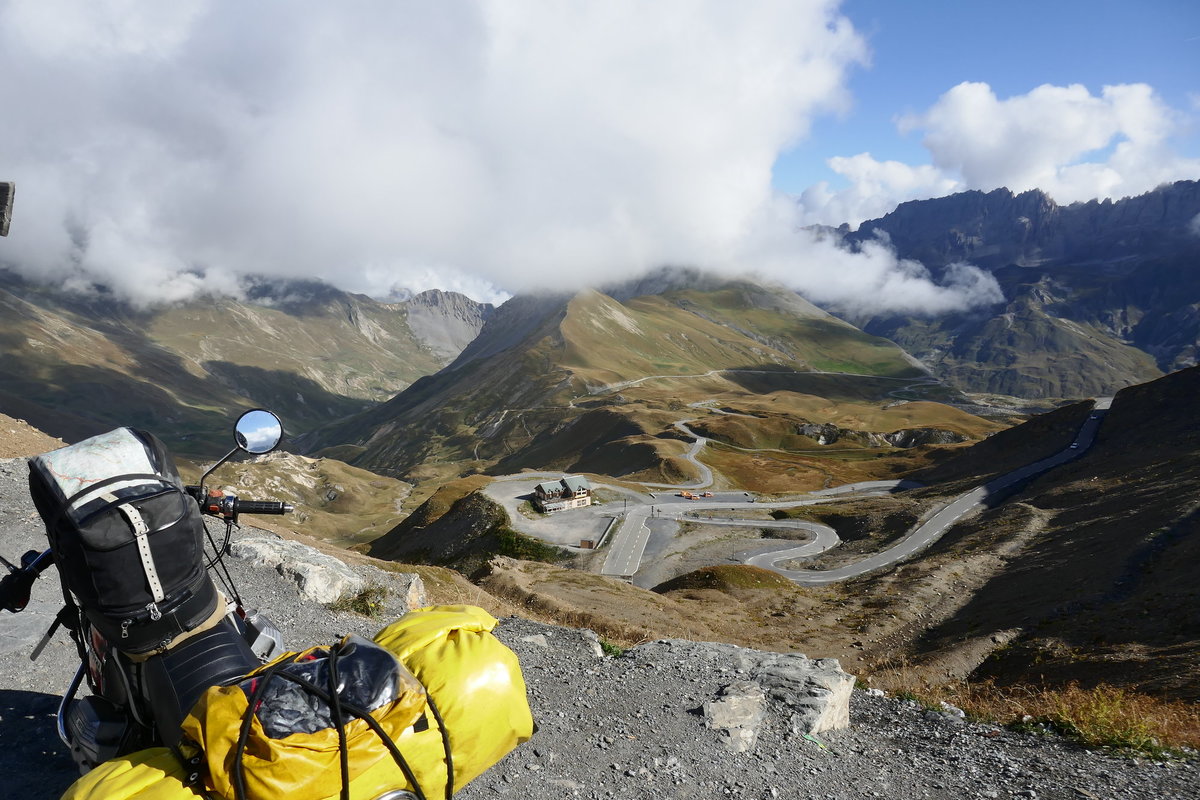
691,332
1103,587
76,368
537,402
69,378
1027,350
333,501
352,346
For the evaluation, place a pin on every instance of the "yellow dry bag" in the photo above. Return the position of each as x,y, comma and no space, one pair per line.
454,705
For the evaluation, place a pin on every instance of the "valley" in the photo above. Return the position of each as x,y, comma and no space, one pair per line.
935,504
882,623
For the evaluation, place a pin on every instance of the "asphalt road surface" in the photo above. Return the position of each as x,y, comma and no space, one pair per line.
933,529
706,476
627,543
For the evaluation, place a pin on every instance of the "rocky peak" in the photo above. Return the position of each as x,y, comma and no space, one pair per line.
514,321
446,322
997,228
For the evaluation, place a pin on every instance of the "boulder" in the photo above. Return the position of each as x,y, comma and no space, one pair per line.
320,577
817,689
406,590
814,692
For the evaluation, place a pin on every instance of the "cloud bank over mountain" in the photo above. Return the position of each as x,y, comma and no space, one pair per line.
163,150
1064,140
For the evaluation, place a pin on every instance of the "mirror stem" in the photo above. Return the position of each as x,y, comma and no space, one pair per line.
211,470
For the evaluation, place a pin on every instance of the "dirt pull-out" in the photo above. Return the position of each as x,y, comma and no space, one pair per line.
19,439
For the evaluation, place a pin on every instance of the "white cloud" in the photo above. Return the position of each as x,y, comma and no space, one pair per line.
873,279
875,189
492,146
1062,139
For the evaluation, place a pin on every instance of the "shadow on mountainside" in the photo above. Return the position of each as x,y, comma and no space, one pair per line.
74,401
767,378
296,398
1096,559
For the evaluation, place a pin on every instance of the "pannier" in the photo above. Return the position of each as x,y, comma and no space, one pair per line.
454,705
127,540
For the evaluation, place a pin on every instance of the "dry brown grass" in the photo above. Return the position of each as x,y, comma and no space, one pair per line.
544,608
19,439
1104,716
1097,716
779,472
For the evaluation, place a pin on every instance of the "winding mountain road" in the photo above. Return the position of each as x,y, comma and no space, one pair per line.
628,543
616,387
706,476
932,529
634,535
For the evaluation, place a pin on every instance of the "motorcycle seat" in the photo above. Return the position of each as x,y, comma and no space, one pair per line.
176,679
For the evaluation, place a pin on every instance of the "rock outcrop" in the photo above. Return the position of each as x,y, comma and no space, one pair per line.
815,691
322,578
826,434
998,228
446,322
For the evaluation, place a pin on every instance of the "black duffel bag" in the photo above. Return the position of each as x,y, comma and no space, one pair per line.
127,540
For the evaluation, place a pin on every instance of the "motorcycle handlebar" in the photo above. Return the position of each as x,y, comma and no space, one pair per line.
261,507
16,586
219,504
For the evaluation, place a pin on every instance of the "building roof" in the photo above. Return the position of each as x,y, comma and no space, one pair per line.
550,487
576,483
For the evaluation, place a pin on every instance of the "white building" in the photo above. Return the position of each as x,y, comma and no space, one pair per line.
573,491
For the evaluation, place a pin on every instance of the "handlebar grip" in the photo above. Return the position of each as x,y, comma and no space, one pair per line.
261,507
15,590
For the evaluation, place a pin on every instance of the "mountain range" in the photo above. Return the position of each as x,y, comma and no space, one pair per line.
75,365
1098,295
596,382
1081,575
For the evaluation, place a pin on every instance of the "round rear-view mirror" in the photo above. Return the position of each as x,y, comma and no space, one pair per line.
258,431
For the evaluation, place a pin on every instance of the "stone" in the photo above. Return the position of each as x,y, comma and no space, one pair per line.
406,590
410,588
320,577
817,689
737,711
593,642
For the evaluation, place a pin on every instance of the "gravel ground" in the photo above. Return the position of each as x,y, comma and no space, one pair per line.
624,727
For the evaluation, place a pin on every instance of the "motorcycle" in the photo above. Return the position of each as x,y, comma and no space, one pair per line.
189,691
138,700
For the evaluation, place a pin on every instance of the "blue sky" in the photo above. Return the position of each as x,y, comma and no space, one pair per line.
921,49
502,146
